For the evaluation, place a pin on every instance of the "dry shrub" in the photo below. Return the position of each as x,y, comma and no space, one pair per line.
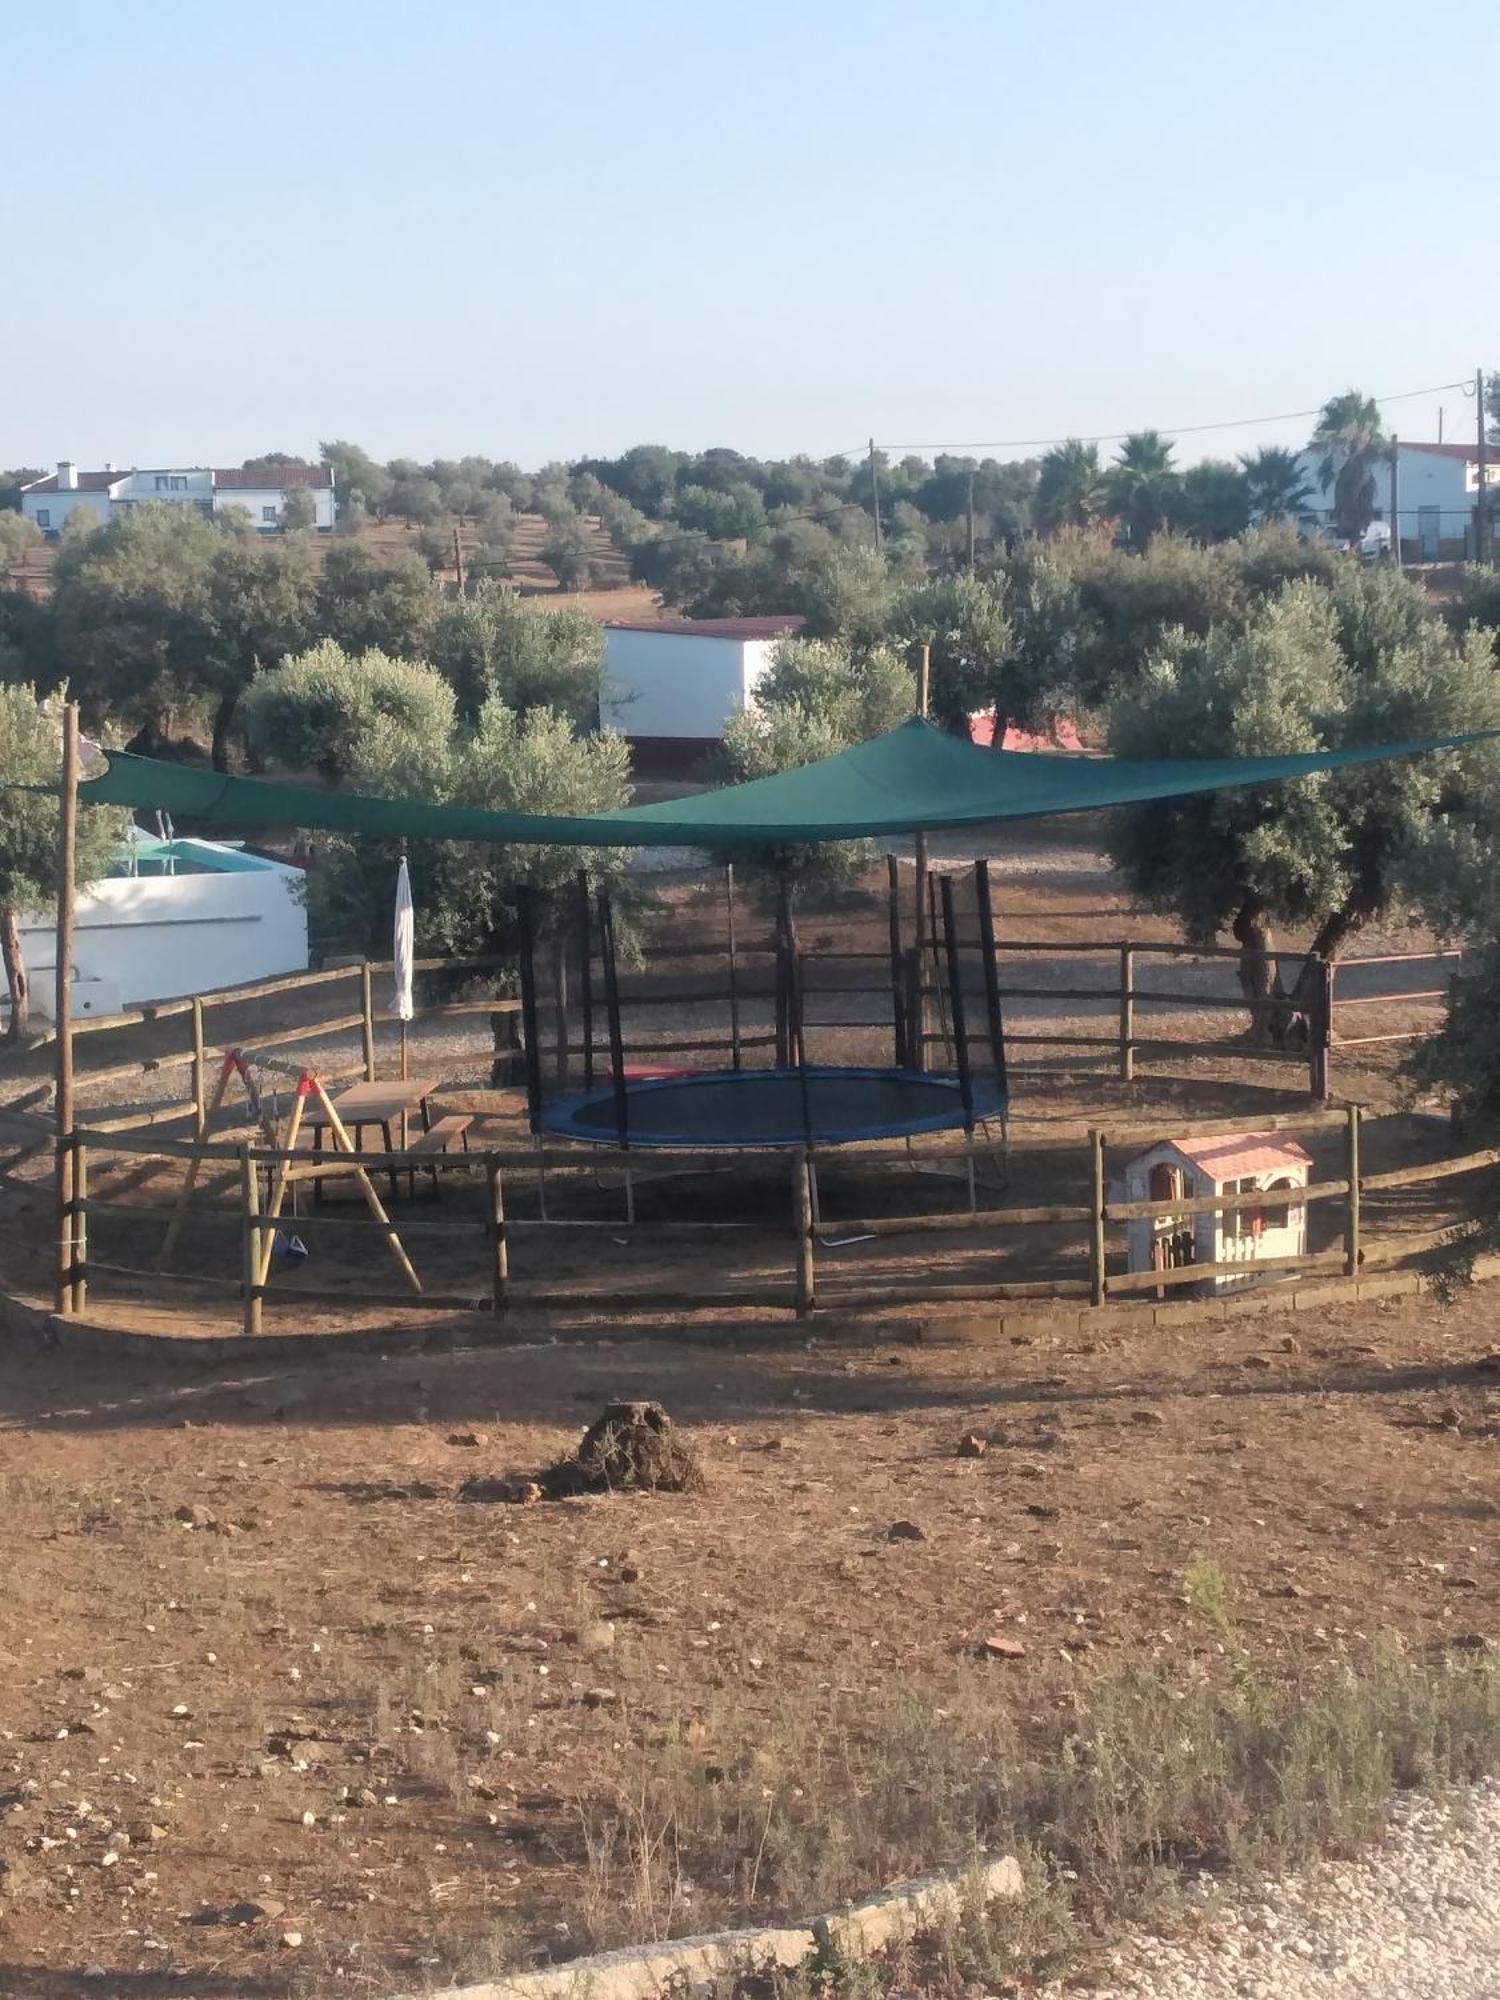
629,1448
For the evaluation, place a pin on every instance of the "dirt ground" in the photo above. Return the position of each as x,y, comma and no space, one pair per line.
257,1651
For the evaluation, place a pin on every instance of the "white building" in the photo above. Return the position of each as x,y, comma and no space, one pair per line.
670,687
1188,1169
1436,487
176,917
262,495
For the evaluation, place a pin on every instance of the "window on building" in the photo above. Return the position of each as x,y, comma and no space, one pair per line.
268,514
44,517
179,485
161,482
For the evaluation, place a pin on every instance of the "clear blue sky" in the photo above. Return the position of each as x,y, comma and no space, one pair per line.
546,230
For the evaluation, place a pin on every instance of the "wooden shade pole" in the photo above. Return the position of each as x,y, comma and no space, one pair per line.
67,848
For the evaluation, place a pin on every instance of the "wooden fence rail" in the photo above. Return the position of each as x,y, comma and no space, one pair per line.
499,1228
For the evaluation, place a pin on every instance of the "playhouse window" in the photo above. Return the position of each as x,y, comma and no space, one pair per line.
1242,1223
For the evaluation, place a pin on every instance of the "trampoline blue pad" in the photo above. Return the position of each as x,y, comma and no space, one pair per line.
772,1107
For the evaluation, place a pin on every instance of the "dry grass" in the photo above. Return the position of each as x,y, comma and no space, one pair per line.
1146,1780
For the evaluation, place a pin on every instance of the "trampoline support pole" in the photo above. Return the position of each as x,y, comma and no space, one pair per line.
586,977
526,913
898,998
734,974
956,1007
991,968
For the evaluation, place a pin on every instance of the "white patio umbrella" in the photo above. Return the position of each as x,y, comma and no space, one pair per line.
402,955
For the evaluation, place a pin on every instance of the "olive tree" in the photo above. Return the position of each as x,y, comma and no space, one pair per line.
818,698
1314,669
391,728
492,643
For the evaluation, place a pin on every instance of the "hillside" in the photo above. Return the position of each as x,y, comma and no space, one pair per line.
616,597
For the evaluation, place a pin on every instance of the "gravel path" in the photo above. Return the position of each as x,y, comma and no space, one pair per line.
1419,1917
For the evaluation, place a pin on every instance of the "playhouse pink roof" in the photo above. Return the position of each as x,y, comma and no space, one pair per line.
1238,1155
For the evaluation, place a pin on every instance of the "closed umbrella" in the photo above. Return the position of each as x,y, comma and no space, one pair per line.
402,955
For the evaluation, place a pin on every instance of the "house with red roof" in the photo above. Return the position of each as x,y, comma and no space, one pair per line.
671,684
211,489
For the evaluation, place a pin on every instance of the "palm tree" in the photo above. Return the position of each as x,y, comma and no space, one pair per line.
1142,484
1070,486
1278,486
1353,444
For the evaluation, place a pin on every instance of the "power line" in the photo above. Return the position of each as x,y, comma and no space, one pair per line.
1168,430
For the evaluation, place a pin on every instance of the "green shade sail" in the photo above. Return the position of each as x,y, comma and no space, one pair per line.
914,779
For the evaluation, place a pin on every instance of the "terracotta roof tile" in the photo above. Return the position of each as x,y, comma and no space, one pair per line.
1239,1155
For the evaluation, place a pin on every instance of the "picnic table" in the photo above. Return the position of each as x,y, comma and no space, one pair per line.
382,1104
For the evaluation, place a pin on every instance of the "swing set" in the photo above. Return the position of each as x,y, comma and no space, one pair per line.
240,1063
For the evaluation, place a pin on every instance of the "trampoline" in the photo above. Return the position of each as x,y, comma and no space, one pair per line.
821,1104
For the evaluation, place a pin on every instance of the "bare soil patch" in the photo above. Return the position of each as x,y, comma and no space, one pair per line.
258,1650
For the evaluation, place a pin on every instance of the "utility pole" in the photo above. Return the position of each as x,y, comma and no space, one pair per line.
971,517
875,496
458,563
1396,501
1482,498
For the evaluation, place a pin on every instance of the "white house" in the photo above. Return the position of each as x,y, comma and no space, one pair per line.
1240,1163
670,687
211,490
175,917
1436,487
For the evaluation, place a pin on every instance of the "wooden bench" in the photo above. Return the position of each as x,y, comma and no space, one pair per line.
438,1137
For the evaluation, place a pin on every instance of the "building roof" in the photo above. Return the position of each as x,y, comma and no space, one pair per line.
779,627
231,479
1238,1155
237,480
88,482
1469,453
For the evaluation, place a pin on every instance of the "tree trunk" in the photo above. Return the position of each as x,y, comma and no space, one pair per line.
1259,976
223,722
16,981
1329,939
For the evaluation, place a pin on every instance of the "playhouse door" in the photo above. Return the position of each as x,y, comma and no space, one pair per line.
1172,1235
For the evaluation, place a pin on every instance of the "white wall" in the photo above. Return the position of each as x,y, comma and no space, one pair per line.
253,499
158,937
675,683
141,487
1425,479
58,506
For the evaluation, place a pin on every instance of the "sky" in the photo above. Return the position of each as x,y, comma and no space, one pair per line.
546,231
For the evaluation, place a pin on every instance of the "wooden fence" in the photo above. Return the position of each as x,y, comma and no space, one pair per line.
499,1231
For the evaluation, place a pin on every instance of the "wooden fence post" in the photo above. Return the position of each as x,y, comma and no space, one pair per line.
250,1259
499,1244
80,1199
803,1221
200,1081
1127,1014
1351,1212
367,1027
1096,1226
